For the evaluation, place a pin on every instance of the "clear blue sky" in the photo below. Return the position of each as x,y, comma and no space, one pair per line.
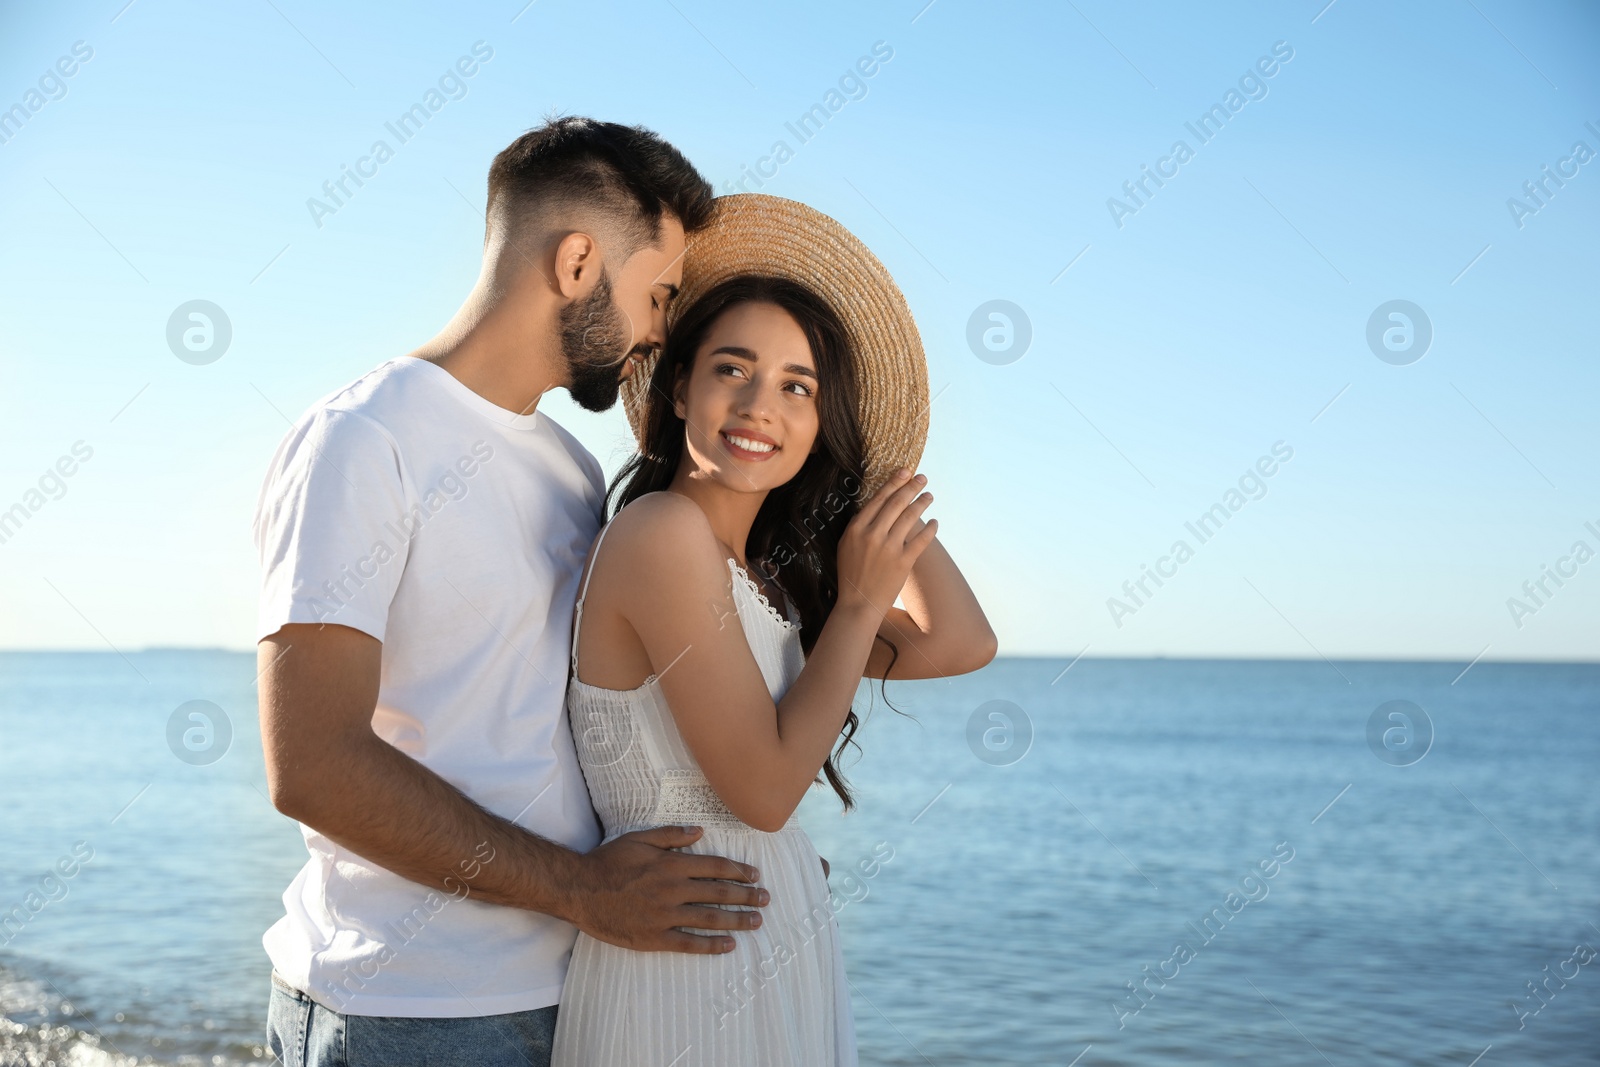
1220,317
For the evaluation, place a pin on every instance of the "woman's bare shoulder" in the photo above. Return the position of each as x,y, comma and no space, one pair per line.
660,529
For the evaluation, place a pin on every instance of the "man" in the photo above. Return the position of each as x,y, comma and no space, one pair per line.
421,533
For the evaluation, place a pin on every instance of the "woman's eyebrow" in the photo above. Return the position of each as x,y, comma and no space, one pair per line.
745,353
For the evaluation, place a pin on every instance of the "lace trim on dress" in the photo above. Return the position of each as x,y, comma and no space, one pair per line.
686,797
750,584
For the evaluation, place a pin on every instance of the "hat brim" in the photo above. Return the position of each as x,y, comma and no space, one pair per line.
759,234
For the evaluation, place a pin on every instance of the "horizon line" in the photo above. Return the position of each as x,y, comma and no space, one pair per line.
1142,657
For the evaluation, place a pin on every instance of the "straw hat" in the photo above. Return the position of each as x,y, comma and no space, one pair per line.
754,233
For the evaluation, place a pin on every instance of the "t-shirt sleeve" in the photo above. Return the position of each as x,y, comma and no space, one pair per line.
597,478
330,526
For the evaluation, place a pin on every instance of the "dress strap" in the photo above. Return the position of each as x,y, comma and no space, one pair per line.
577,607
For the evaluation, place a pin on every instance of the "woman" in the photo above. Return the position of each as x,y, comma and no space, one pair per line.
743,588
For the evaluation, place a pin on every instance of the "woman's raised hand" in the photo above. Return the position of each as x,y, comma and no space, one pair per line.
882,541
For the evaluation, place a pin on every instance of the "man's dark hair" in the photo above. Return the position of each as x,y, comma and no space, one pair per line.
626,172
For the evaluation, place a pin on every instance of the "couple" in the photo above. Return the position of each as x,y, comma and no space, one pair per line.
539,763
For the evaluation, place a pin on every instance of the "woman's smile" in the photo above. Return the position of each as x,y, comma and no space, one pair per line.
750,445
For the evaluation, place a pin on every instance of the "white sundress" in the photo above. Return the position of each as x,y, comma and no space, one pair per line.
780,998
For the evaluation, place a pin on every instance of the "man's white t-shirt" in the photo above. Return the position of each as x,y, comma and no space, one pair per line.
410,508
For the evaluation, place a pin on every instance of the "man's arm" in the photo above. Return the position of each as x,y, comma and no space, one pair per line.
328,770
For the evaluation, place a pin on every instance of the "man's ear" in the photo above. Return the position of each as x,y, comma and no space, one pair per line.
577,262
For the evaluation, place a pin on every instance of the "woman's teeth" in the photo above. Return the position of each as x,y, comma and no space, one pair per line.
748,445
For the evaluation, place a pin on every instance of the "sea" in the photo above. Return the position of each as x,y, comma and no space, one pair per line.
1050,861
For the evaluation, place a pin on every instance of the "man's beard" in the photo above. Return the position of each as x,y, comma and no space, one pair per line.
594,339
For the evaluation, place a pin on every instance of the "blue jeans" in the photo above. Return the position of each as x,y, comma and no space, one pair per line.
303,1033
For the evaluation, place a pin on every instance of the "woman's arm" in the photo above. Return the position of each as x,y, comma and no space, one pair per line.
671,584
941,630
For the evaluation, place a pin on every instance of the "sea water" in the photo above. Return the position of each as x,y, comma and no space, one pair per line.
1091,862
